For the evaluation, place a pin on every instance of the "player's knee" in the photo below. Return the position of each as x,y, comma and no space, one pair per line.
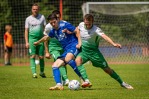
32,56
40,57
78,61
58,63
67,60
69,57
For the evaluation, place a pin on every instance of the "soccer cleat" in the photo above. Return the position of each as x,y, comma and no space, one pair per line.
86,84
42,75
34,75
57,87
127,86
66,82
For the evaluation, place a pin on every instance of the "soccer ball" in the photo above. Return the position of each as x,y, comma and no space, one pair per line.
74,85
36,62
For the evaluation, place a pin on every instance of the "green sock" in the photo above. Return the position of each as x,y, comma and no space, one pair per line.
41,65
116,77
63,71
82,70
33,65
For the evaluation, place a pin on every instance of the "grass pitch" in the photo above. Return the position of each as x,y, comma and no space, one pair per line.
16,82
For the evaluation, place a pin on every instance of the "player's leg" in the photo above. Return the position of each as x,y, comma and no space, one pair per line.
114,75
40,52
32,52
33,66
63,69
70,55
56,74
99,61
81,59
69,59
6,56
9,55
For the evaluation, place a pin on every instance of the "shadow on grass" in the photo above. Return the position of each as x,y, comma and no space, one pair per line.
99,88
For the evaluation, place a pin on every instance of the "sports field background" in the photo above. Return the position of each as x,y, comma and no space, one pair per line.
16,82
131,30
131,62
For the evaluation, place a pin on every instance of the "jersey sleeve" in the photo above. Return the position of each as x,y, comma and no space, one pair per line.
99,31
51,34
47,29
79,26
70,27
5,37
26,23
44,20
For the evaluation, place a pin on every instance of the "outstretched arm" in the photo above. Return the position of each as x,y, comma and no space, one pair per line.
45,38
108,39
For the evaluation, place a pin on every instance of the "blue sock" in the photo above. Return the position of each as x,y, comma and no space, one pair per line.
56,74
72,63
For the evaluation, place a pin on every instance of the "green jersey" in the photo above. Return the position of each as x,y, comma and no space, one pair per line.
90,37
35,26
90,41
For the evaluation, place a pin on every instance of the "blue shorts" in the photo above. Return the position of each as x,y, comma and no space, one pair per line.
70,49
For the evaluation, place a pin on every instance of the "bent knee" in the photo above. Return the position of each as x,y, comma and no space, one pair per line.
41,57
78,61
58,63
32,56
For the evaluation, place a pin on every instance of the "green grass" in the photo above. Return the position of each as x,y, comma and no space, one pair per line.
16,82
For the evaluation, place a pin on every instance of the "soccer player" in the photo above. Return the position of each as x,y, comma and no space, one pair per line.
90,35
55,49
8,44
34,26
71,44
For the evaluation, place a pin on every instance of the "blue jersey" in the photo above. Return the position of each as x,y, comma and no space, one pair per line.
64,38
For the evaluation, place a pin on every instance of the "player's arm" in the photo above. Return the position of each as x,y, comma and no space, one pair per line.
47,54
26,33
67,31
45,38
46,31
26,38
79,38
75,30
46,43
108,39
5,38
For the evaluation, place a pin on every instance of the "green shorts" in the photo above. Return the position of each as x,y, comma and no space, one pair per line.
56,53
36,50
95,56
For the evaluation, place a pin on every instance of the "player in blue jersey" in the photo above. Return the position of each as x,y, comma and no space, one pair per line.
71,44
53,48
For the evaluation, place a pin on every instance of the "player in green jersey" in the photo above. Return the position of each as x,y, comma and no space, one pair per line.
90,35
34,26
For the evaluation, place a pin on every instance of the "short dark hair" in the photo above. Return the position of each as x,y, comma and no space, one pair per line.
56,12
52,16
89,17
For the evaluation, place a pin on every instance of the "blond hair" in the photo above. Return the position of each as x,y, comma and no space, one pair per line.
8,27
35,4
